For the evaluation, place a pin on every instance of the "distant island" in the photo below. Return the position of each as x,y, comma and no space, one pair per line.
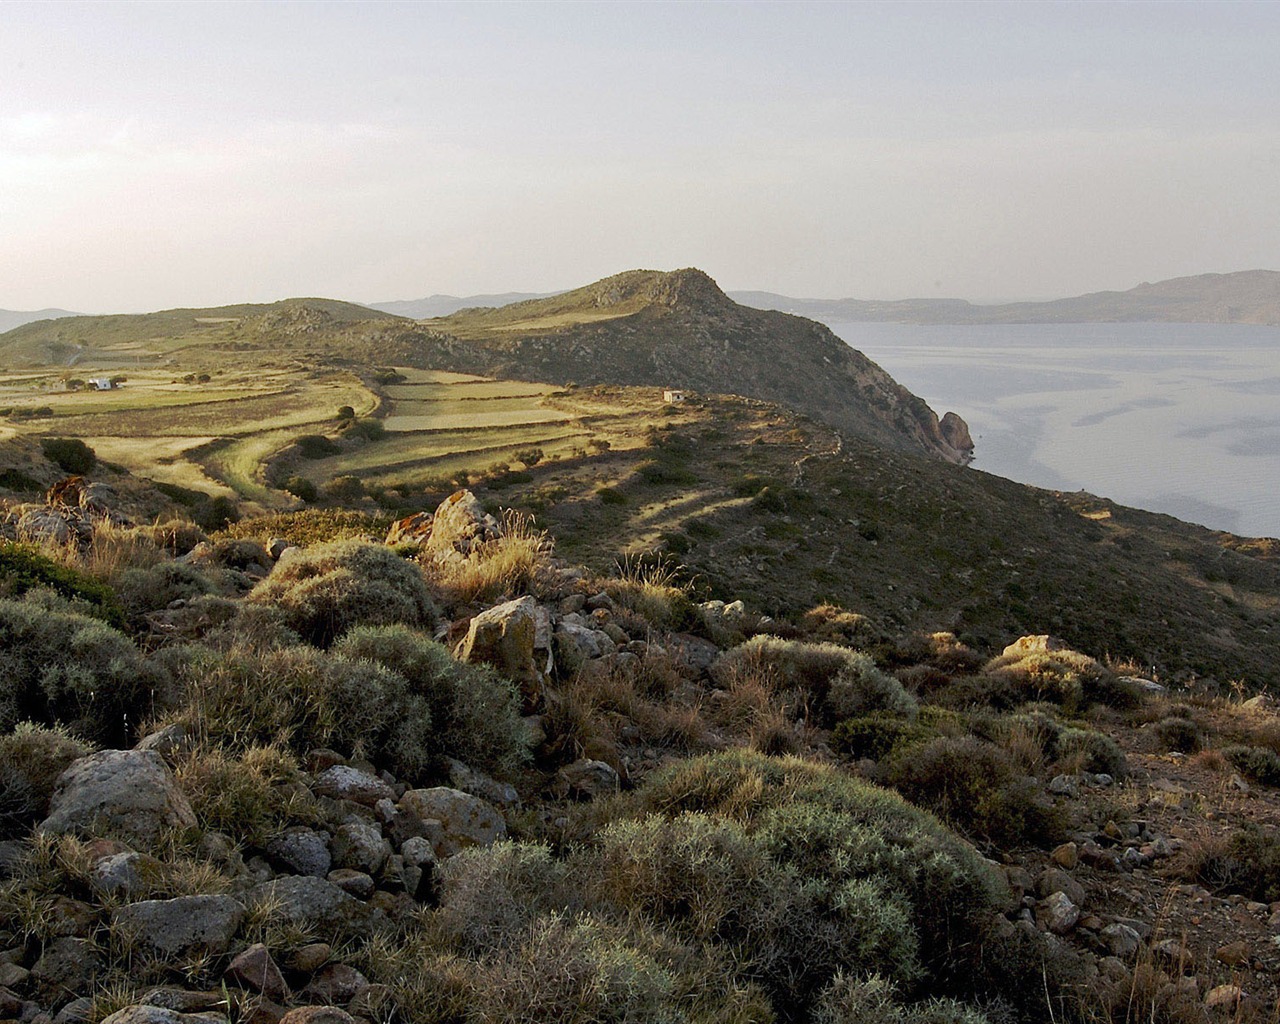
1244,297
11,318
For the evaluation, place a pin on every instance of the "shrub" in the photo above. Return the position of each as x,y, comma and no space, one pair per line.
650,589
31,759
1088,750
1258,763
301,487
345,412
368,430
251,796
874,736
69,454
850,1000
147,590
973,785
327,589
509,565
475,713
840,682
216,514
1248,863
301,698
58,667
344,488
314,526
530,456
23,568
316,446
611,496
823,824
833,624
1067,678
1180,734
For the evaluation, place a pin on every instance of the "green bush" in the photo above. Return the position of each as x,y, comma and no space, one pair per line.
1261,764
31,759
316,446
475,713
328,589
155,587
23,568
840,682
304,698
58,667
216,514
973,785
344,488
314,526
874,736
368,430
611,496
69,454
1095,752
1067,678
301,487
852,1000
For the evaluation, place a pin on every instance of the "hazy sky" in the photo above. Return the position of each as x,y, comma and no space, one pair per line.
156,155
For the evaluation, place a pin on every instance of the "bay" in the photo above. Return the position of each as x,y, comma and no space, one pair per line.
1176,418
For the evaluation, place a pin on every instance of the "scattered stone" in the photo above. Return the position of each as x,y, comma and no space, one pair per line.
414,529
1067,856
466,820
1053,880
183,1000
160,1015
335,983
503,637
1058,913
255,969
1064,785
130,793
358,845
1171,949
460,526
587,779
171,741
467,779
302,851
1041,644
1121,940
126,874
343,782
78,1011
187,924
358,883
1224,997
314,905
317,1015
66,968
13,975
1233,954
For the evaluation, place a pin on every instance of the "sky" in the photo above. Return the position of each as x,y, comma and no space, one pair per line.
155,155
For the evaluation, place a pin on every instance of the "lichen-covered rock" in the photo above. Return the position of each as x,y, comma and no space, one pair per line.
314,905
414,529
129,793
255,969
587,780
460,526
317,1015
143,1014
343,782
126,874
359,846
465,819
177,927
302,851
503,636
1041,644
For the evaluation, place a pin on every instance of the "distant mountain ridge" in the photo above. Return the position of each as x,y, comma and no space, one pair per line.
445,305
11,318
1243,297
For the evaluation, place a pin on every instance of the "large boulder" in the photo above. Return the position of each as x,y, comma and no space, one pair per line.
466,820
343,782
504,636
1041,644
162,1015
459,528
414,529
126,793
177,927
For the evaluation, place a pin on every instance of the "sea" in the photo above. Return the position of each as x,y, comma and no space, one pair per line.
1176,418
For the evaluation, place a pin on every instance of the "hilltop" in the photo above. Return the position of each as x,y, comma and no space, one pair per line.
444,305
1243,297
11,318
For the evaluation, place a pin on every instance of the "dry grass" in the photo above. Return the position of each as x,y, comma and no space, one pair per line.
508,566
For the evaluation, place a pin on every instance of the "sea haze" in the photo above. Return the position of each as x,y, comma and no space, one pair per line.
1176,418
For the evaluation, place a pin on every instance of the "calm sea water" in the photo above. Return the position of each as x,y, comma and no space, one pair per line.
1176,418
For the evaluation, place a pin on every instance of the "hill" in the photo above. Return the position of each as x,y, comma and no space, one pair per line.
11,318
642,328
680,330
1244,297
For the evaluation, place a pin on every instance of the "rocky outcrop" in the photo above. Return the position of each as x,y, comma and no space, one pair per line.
466,820
460,526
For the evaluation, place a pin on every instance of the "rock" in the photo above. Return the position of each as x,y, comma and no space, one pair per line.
587,779
501,794
78,1011
503,637
10,1004
171,741
343,782
144,1014
418,852
302,851
276,547
460,526
1146,685
46,526
183,1001
335,983
314,905
1041,644
955,431
1233,954
1173,950
414,529
695,653
255,969
1057,913
1064,785
359,846
1066,856
1224,997
130,793
187,924
126,874
317,1015
70,917
1053,880
357,883
465,819
66,968
1121,940
13,975
310,958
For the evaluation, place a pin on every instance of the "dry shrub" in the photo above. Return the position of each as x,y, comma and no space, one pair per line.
649,587
328,589
510,565
1209,760
833,682
31,759
1067,678
829,623
251,796
313,526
